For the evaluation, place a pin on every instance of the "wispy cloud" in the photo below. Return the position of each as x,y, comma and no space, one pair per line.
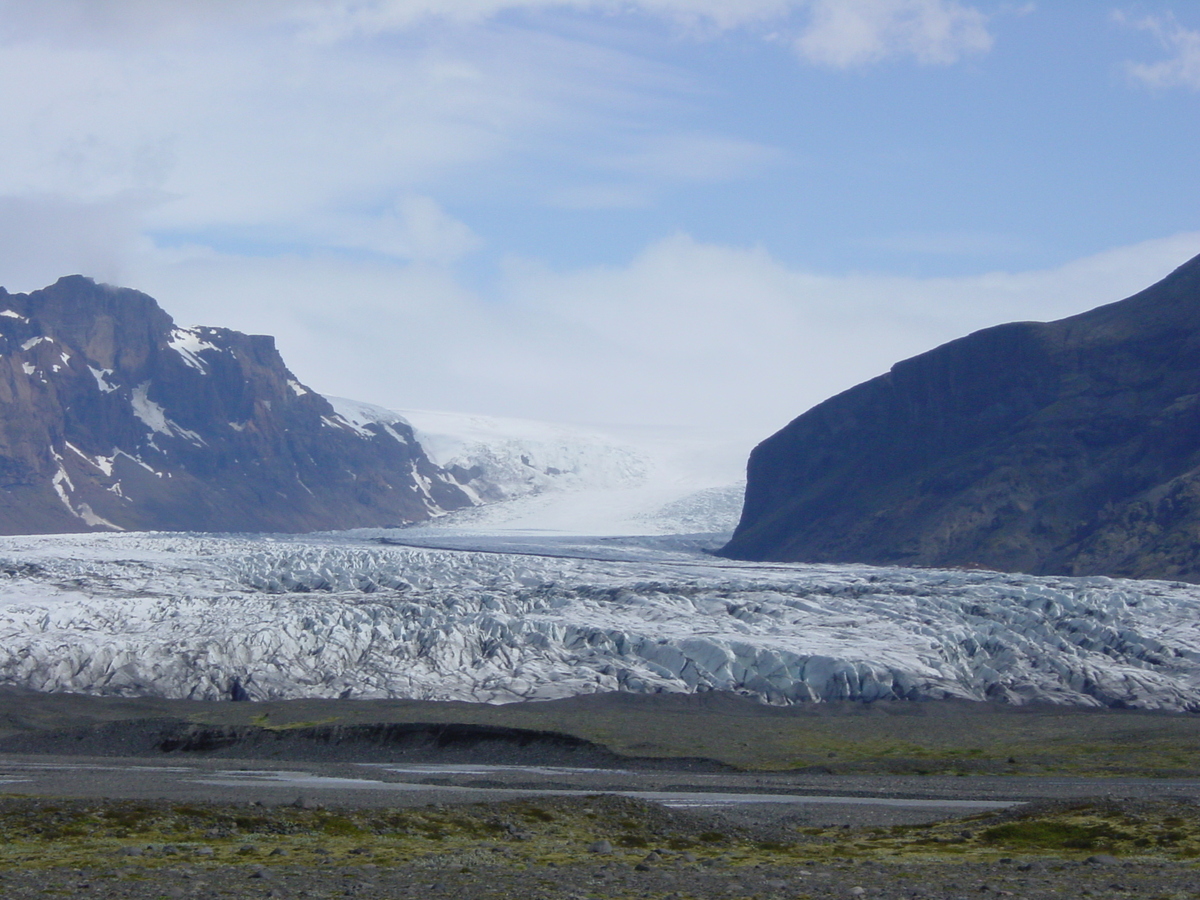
1182,67
264,116
839,33
44,236
847,33
685,332
335,19
414,228
692,157
258,132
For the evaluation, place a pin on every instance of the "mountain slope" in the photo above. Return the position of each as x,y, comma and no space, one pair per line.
1069,447
113,418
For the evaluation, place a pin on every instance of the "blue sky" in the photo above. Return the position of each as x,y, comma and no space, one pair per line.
1042,149
692,213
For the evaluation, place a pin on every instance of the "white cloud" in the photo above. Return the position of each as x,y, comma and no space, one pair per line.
844,32
336,19
426,234
1182,68
259,134
847,33
841,32
250,134
414,228
246,133
686,334
43,237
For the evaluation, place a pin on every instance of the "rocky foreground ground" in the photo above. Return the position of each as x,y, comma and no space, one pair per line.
594,847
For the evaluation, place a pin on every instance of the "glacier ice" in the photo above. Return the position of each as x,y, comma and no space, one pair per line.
527,475
175,615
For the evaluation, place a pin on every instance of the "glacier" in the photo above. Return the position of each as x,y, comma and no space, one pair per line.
433,614
528,476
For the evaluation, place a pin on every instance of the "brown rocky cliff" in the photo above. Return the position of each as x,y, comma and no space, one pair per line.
1068,447
112,417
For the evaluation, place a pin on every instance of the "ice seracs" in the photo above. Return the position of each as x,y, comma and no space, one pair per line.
497,621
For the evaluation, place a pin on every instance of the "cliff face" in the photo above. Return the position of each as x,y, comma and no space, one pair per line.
111,417
1069,447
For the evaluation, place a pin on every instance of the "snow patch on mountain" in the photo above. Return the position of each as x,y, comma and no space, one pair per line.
495,620
101,376
189,344
357,416
154,417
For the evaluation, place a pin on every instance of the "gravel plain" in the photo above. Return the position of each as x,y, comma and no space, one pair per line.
667,881
299,810
576,848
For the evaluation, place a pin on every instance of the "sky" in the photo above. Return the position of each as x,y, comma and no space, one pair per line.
689,214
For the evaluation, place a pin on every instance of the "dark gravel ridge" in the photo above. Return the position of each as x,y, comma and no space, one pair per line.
442,742
663,881
887,738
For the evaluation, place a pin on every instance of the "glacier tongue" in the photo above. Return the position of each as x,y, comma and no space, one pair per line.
341,615
551,478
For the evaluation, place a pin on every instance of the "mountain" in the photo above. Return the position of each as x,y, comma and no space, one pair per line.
1069,447
113,418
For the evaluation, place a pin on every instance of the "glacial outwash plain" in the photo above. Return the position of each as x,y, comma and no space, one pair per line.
526,665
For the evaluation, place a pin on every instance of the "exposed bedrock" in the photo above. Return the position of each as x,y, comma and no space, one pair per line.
1069,447
112,418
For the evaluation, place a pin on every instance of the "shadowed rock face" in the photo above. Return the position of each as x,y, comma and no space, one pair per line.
112,417
1069,447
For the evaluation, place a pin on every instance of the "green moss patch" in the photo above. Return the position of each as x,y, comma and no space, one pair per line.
1071,830
564,831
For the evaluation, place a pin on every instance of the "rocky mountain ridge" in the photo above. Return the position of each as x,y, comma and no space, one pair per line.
114,418
1068,447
